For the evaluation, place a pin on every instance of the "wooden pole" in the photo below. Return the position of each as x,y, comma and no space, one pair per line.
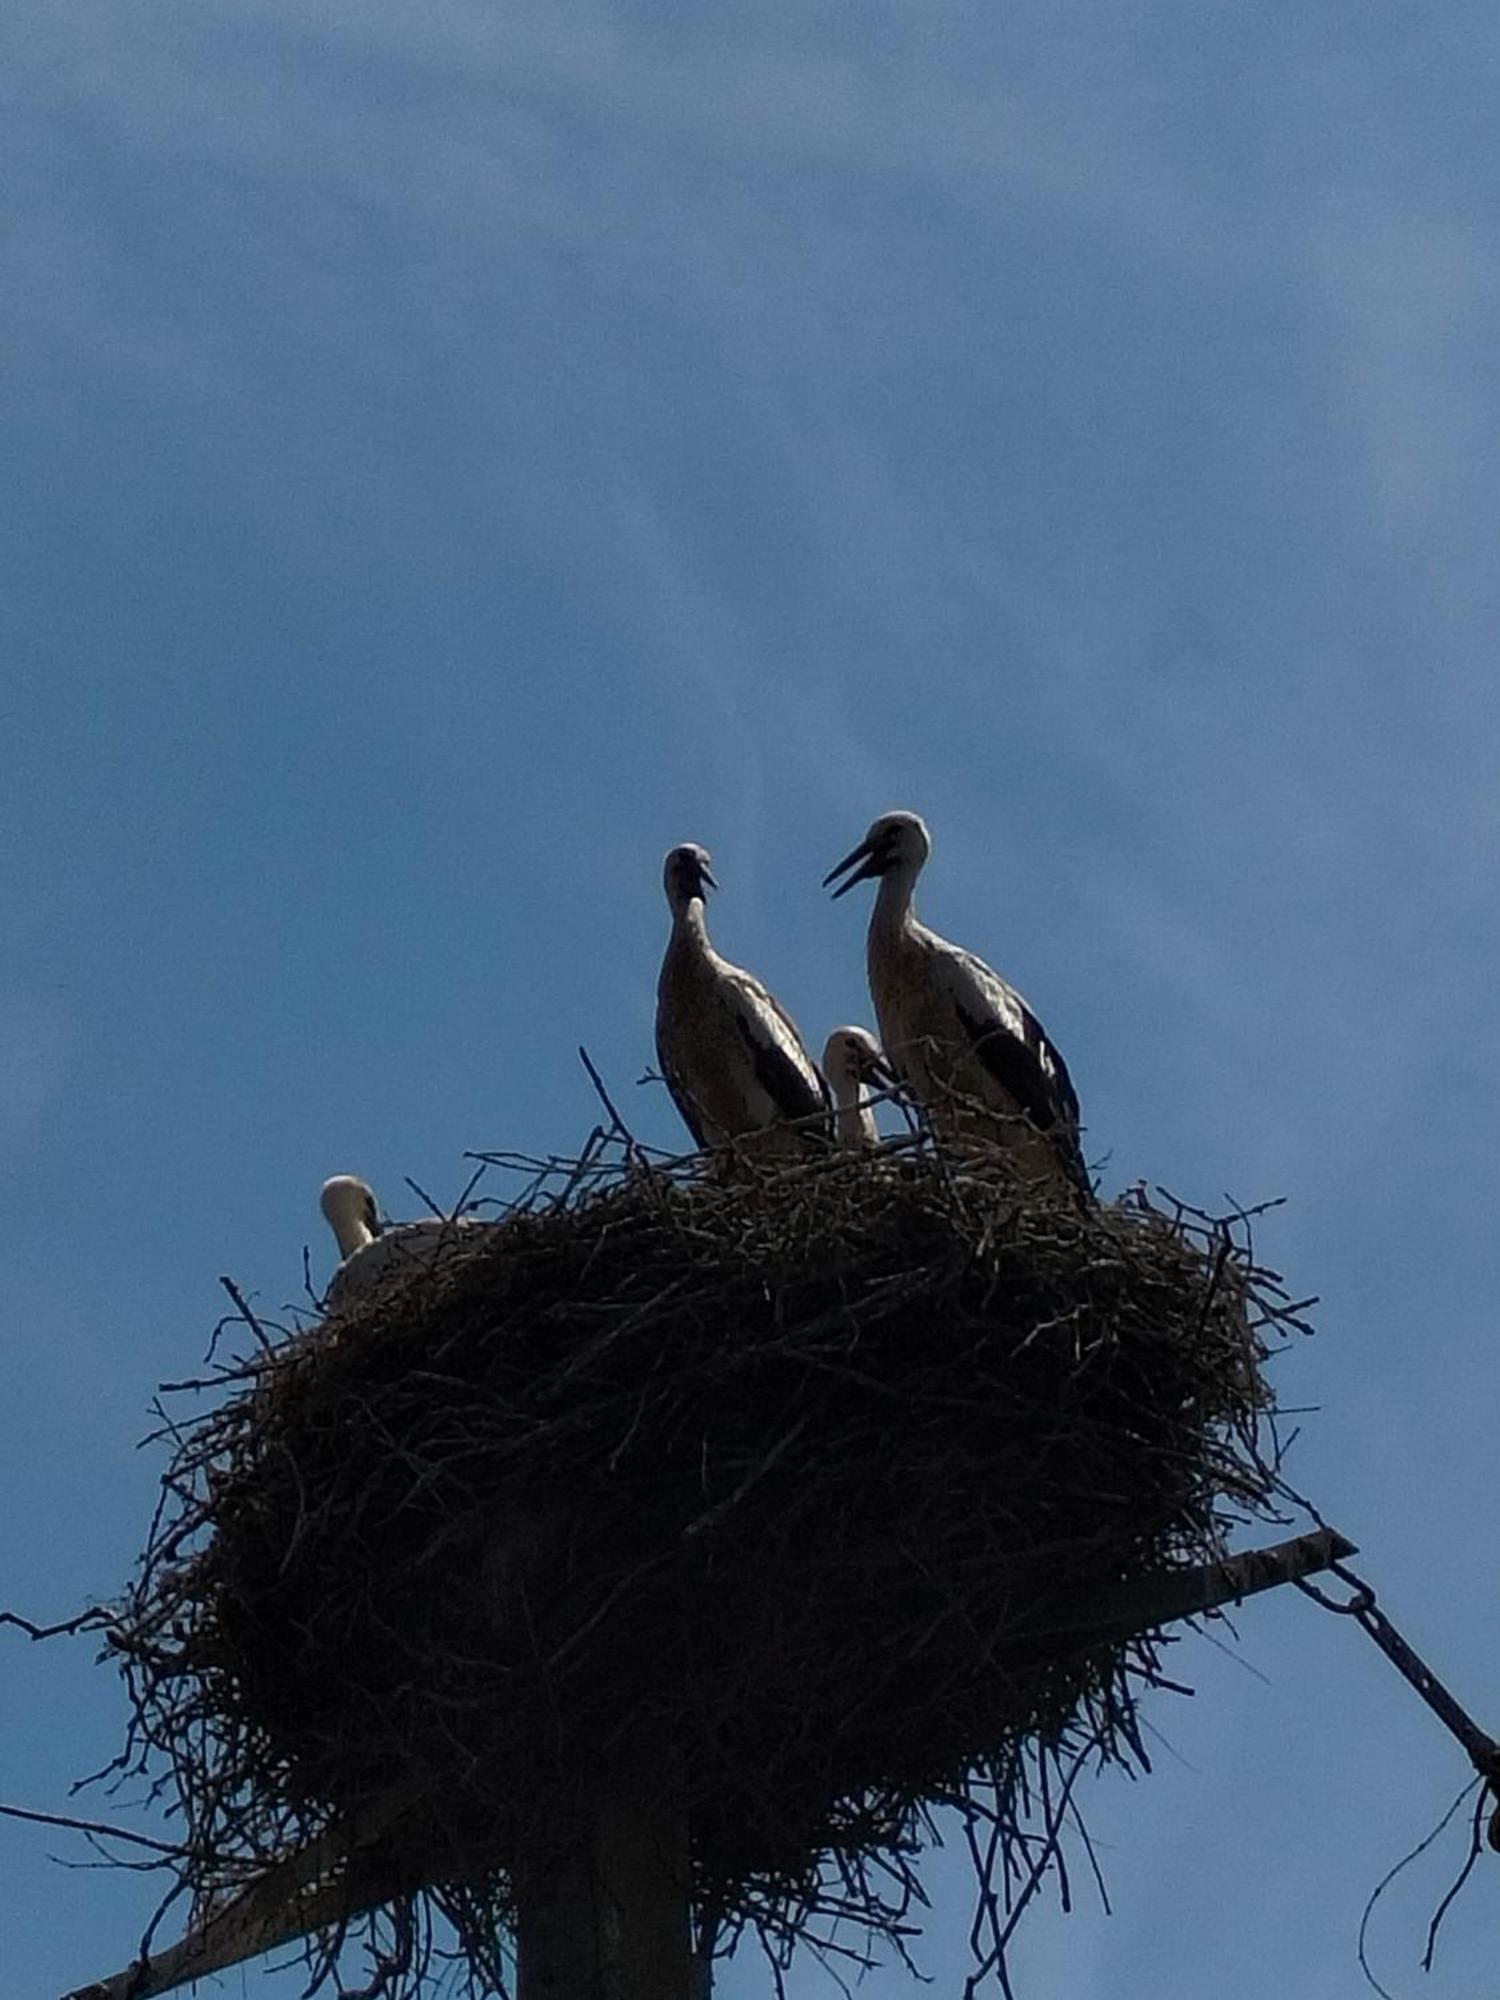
1123,1610
603,1904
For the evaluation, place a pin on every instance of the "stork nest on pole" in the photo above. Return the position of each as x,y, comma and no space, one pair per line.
811,1478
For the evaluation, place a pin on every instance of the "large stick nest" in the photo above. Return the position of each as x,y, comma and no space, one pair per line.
807,1478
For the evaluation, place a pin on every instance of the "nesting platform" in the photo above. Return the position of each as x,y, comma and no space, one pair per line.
798,1489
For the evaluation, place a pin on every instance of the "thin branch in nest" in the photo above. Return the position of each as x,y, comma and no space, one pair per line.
388,1964
460,1207
172,1850
247,1316
619,1129
1049,1855
95,1620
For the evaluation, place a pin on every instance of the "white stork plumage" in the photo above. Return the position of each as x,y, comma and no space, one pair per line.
963,1039
373,1251
730,1053
851,1061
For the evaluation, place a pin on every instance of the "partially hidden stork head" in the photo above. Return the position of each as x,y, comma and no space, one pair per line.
350,1210
686,874
898,842
851,1059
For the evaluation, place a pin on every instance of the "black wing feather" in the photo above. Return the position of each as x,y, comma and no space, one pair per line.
781,1080
1049,1057
1015,1062
1031,1069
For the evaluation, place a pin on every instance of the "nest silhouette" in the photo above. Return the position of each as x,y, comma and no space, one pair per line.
809,1479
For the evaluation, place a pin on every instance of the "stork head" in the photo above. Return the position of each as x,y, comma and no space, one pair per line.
349,1208
686,873
851,1059
897,843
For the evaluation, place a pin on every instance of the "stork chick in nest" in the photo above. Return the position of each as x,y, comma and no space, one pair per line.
851,1062
373,1250
730,1053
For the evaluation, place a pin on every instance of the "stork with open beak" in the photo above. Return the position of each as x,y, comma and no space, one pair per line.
964,1040
852,1062
730,1053
372,1250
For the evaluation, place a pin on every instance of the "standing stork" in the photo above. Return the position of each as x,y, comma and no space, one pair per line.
730,1053
373,1250
965,1041
851,1060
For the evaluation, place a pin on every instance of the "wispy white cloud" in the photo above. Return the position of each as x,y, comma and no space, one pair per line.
459,102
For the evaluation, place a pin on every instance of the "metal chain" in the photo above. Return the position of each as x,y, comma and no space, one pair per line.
1482,1750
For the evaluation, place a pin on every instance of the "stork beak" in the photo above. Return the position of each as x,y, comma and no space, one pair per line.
705,875
878,1071
864,854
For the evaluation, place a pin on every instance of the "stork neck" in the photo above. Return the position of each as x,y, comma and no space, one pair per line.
894,899
690,921
854,1119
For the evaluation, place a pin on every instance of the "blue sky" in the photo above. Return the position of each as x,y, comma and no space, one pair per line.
451,454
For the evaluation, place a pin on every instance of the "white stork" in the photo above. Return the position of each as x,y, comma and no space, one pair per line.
972,1051
373,1251
730,1054
852,1059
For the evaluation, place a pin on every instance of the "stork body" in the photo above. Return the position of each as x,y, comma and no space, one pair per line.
964,1040
730,1053
852,1061
374,1252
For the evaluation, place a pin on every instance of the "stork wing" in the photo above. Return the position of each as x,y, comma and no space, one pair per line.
783,1068
687,1108
1011,1042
